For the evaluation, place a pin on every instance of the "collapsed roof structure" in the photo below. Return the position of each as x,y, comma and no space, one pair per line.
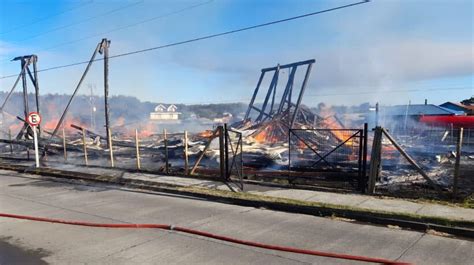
271,119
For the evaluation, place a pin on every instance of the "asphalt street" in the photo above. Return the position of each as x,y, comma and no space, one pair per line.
28,242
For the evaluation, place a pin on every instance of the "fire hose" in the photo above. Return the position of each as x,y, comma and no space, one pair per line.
209,235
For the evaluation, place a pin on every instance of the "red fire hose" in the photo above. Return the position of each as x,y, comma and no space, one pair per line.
205,234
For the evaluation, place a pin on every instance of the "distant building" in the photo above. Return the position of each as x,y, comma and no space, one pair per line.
225,118
458,107
417,110
404,118
165,114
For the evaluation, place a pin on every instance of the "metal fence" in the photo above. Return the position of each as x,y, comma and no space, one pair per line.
330,157
446,160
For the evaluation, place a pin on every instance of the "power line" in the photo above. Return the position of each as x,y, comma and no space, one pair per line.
84,20
131,25
349,94
390,91
126,26
205,37
45,18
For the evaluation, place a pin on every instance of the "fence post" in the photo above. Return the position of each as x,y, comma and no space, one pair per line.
10,138
458,162
165,139
186,161
64,144
221,152
85,146
137,149
226,152
360,175
289,156
375,160
111,150
364,155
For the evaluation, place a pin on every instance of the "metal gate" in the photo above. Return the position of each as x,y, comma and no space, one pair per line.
328,156
233,147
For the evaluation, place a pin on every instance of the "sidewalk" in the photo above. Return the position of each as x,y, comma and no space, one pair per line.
353,200
356,201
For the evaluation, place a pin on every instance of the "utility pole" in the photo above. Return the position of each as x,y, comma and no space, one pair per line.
104,48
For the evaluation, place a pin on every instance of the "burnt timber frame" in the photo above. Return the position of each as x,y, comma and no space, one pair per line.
26,61
268,110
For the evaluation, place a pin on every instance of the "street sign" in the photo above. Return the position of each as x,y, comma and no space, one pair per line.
34,119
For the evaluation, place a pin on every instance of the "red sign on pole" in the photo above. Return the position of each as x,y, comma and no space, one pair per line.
33,119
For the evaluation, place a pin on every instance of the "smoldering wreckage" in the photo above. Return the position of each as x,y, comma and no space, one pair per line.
279,140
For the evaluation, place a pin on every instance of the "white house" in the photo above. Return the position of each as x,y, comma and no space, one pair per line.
163,113
225,118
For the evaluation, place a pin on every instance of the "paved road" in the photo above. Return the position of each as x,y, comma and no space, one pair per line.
60,244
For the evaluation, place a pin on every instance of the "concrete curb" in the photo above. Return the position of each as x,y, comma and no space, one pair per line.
419,223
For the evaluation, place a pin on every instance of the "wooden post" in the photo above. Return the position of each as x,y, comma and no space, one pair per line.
364,155
458,162
226,152
85,146
375,160
10,138
64,145
111,150
165,140
222,152
137,149
186,161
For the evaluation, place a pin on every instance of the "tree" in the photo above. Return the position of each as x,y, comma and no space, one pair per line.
469,101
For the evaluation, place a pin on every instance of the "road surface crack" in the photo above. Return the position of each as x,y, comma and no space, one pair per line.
410,247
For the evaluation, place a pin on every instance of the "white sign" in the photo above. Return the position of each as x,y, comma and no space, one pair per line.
34,119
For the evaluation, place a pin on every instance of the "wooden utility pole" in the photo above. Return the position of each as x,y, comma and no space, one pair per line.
104,48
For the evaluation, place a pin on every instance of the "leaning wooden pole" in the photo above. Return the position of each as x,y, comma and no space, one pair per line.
196,164
85,147
137,149
458,162
411,160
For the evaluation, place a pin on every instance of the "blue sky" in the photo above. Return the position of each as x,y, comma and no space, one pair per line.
386,50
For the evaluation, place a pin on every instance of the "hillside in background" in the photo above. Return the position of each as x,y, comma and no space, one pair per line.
123,109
